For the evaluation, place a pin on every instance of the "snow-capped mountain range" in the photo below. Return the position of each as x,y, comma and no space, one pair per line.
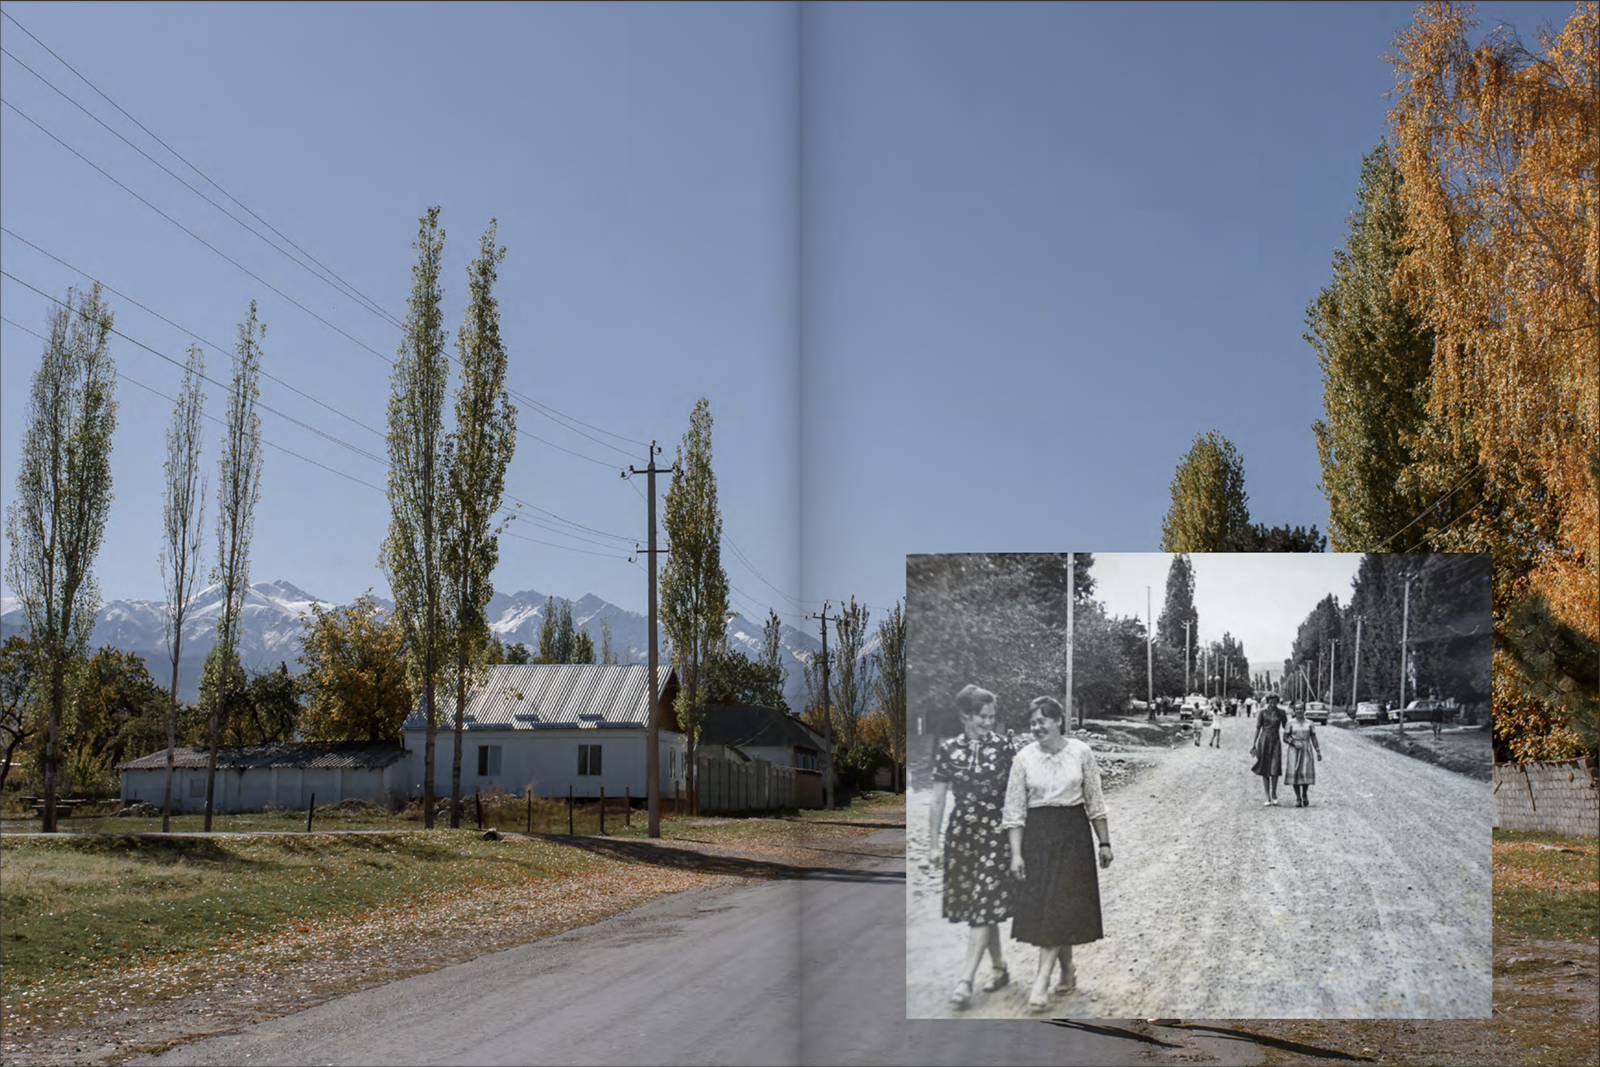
270,631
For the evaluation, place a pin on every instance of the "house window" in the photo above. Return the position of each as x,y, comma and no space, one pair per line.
805,760
488,761
588,759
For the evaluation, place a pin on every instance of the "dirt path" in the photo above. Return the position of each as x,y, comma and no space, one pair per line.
1374,902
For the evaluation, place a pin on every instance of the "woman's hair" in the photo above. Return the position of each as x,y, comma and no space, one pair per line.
973,699
1051,708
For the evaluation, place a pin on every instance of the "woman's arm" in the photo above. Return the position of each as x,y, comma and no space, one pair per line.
936,819
1102,833
1018,869
1315,744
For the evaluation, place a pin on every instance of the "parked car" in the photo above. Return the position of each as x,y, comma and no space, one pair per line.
1370,712
1421,710
1317,711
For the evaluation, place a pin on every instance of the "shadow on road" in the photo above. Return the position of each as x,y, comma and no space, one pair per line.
1278,1043
1103,1030
662,855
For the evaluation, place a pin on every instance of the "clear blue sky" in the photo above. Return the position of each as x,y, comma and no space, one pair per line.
952,277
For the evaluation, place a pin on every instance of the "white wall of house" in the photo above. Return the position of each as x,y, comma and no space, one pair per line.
546,761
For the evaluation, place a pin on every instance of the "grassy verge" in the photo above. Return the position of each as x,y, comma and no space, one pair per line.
1547,886
81,907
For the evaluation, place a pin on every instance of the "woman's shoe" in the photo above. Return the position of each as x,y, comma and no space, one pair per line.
962,997
1039,1005
999,978
1069,980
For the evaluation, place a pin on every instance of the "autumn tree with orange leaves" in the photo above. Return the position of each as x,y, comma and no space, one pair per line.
1498,150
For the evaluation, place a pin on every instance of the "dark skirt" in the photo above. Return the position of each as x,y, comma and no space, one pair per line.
1269,754
1058,901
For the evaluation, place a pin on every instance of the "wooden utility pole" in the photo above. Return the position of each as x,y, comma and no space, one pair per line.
652,773
827,709
1333,662
1150,656
1405,636
1355,675
1072,590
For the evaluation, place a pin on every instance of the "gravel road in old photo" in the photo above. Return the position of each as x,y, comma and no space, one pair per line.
1374,902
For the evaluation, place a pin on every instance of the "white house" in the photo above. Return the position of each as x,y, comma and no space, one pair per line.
551,728
286,775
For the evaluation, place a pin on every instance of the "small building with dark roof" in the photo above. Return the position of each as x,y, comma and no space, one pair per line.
284,774
551,728
753,732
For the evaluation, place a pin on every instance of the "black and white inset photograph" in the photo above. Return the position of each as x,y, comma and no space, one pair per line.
1203,786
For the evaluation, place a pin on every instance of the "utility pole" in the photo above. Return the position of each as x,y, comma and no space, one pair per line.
1355,675
1333,660
1149,654
1072,591
827,708
1405,636
1188,687
652,773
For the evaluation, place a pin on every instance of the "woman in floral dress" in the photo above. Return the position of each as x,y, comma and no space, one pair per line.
1299,769
974,765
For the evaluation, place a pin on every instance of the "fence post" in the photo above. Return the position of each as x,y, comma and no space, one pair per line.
569,809
477,803
312,810
602,810
529,791
627,812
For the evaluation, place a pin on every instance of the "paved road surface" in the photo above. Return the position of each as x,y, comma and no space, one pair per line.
793,972
1374,902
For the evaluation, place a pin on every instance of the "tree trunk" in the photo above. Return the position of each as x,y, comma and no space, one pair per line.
461,718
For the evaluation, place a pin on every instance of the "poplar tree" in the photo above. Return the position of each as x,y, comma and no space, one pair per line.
694,587
1210,509
411,553
475,458
57,521
850,673
183,522
889,685
238,490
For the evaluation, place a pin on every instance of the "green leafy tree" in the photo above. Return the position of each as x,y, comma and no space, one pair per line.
1209,505
1557,666
1375,351
850,672
57,520
772,654
273,707
356,674
116,712
238,490
1257,537
731,677
583,647
694,587
1177,608
412,553
517,652
608,653
475,458
558,637
18,722
182,533
224,694
888,683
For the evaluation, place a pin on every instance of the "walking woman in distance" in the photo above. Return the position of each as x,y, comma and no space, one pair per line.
1052,799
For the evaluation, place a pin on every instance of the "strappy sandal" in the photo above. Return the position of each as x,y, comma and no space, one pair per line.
999,978
962,997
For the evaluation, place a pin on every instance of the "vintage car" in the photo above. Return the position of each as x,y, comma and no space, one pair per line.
1370,712
1317,711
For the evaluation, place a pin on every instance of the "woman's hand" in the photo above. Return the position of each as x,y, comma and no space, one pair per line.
935,856
1019,871
1105,856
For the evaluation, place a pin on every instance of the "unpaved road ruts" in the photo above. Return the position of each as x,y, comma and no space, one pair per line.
1373,903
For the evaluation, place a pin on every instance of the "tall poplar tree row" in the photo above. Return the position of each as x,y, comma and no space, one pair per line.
475,459
694,587
182,531
238,490
57,521
411,556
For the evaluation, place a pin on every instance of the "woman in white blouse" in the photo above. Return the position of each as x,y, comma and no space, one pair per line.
1052,797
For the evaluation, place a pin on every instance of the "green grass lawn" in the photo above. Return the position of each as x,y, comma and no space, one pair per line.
1547,892
74,906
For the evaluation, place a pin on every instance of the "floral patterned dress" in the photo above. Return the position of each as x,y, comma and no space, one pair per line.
977,857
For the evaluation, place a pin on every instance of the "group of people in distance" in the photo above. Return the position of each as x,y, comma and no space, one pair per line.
1028,833
1019,843
1284,748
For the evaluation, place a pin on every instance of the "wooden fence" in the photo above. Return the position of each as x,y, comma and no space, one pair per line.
728,785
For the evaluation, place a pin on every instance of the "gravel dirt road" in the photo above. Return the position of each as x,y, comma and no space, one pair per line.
1374,902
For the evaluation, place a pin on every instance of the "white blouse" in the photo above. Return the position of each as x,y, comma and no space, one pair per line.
1041,779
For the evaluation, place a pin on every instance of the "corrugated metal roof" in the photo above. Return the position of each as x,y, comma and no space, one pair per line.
311,755
528,696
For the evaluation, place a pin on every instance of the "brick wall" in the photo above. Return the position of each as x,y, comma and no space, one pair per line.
1557,797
